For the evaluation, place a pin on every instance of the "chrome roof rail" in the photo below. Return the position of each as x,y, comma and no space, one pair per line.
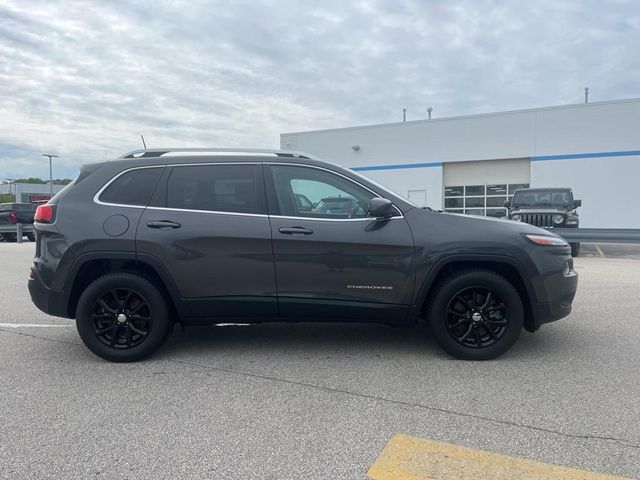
186,152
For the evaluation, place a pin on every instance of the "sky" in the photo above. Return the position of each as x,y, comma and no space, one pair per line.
83,79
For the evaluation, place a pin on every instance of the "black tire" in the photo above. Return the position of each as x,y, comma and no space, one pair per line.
575,249
10,237
99,317
31,237
499,323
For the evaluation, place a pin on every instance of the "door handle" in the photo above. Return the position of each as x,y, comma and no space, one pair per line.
163,224
295,231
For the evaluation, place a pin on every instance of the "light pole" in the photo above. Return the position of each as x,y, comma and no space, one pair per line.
50,171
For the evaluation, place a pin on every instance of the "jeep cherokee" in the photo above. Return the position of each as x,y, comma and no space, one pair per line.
193,236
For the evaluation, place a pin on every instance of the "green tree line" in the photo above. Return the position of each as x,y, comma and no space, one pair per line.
56,181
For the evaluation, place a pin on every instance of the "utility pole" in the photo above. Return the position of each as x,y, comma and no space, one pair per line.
50,171
586,94
404,114
429,110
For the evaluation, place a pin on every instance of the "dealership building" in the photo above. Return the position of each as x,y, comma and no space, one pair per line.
472,164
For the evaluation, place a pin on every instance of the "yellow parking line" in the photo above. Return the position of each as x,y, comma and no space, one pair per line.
599,250
411,458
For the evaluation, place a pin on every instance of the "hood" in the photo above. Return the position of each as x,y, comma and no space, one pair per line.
493,224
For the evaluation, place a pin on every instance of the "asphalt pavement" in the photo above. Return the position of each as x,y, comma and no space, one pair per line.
316,401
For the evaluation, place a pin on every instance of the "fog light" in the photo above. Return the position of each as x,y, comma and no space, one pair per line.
567,269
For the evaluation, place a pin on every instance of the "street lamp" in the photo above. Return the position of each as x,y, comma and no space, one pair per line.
50,170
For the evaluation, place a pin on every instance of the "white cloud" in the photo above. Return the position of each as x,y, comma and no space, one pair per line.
84,79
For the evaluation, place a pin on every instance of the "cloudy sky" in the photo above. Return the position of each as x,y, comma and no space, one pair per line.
84,79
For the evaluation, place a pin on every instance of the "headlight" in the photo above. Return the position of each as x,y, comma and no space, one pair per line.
558,218
516,218
572,221
547,240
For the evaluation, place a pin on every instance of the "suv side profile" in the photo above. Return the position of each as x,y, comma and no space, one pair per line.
190,236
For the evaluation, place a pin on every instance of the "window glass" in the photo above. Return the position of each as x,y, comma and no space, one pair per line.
496,189
515,186
329,195
474,190
475,211
474,202
453,191
496,201
454,202
218,188
133,187
543,198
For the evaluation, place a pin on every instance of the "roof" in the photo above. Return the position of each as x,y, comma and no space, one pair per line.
479,115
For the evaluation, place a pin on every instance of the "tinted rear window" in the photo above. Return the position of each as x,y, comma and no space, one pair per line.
219,188
133,187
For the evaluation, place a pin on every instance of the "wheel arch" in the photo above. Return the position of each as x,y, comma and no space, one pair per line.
91,266
504,266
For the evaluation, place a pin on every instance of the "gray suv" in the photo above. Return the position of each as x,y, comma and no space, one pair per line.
197,237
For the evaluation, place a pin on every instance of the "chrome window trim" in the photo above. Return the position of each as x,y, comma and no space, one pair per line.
104,187
96,197
215,212
400,214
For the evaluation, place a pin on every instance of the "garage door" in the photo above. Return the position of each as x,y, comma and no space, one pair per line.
481,187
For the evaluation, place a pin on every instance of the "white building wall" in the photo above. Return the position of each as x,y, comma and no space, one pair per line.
609,187
606,183
401,182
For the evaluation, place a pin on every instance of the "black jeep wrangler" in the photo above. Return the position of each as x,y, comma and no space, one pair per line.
546,208
196,237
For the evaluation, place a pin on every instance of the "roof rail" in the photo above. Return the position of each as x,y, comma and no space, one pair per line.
186,152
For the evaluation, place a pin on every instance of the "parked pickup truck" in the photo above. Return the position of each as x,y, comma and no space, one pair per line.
12,214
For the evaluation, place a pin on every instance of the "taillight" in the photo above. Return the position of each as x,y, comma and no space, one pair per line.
13,217
44,213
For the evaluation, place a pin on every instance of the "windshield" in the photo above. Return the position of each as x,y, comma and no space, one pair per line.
542,197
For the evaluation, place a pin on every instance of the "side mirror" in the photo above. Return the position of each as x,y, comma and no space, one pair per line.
507,203
381,208
577,203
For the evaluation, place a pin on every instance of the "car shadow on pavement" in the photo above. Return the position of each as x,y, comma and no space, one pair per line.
316,339
303,337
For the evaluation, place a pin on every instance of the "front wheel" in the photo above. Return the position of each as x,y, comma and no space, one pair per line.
475,315
122,317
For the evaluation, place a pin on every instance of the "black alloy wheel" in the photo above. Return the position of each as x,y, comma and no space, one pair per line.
476,317
475,314
122,318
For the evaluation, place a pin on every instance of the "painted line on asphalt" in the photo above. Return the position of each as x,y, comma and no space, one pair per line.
32,325
411,458
599,250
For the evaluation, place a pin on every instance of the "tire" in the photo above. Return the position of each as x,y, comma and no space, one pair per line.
31,237
492,331
123,317
575,249
10,237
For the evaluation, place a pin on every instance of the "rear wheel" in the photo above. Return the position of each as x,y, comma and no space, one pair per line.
122,317
31,237
475,315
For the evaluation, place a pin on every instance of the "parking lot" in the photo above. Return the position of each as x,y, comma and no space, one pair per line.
317,401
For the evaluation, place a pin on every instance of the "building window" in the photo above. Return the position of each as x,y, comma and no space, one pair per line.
486,200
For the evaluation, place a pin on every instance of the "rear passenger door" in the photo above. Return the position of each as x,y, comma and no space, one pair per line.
207,225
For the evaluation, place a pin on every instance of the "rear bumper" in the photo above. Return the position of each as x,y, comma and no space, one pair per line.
49,300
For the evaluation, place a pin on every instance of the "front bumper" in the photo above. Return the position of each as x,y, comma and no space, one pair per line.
560,291
49,300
